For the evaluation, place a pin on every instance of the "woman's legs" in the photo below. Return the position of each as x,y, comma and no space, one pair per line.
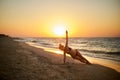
81,58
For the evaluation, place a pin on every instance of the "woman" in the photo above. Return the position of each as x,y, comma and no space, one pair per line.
74,54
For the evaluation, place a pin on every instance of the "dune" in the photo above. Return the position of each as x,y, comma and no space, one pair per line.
19,61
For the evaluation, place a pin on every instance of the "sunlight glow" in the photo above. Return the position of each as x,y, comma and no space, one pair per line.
59,30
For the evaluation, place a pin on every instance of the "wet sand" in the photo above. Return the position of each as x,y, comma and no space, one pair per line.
19,61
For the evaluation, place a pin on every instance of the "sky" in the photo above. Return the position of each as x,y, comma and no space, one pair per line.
38,18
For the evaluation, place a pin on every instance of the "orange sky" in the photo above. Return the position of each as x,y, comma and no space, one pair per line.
37,18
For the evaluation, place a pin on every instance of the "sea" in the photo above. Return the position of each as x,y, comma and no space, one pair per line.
97,47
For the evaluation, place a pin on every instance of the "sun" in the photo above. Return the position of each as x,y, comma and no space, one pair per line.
59,30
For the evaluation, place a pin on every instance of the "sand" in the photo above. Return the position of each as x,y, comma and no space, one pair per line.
19,61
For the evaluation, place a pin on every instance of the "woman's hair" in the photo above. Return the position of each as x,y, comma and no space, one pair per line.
61,47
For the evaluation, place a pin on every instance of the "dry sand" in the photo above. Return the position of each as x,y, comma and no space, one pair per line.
19,61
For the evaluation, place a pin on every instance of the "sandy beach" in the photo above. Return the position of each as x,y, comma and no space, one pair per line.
19,61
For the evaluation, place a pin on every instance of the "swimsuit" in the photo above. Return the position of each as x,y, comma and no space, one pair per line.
72,54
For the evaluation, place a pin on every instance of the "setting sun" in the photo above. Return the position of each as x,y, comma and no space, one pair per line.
59,30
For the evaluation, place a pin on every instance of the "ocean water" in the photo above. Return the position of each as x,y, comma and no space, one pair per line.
105,48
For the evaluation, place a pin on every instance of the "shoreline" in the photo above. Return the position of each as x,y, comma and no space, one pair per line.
104,62
19,61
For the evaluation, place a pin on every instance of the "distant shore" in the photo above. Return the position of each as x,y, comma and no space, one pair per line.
20,61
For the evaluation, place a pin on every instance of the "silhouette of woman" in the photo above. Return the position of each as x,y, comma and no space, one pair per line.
73,52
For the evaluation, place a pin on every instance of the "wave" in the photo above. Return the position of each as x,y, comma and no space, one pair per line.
104,52
45,44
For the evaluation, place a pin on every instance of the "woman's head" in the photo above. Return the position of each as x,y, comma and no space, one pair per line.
61,47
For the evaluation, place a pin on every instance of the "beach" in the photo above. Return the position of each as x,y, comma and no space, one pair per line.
20,61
